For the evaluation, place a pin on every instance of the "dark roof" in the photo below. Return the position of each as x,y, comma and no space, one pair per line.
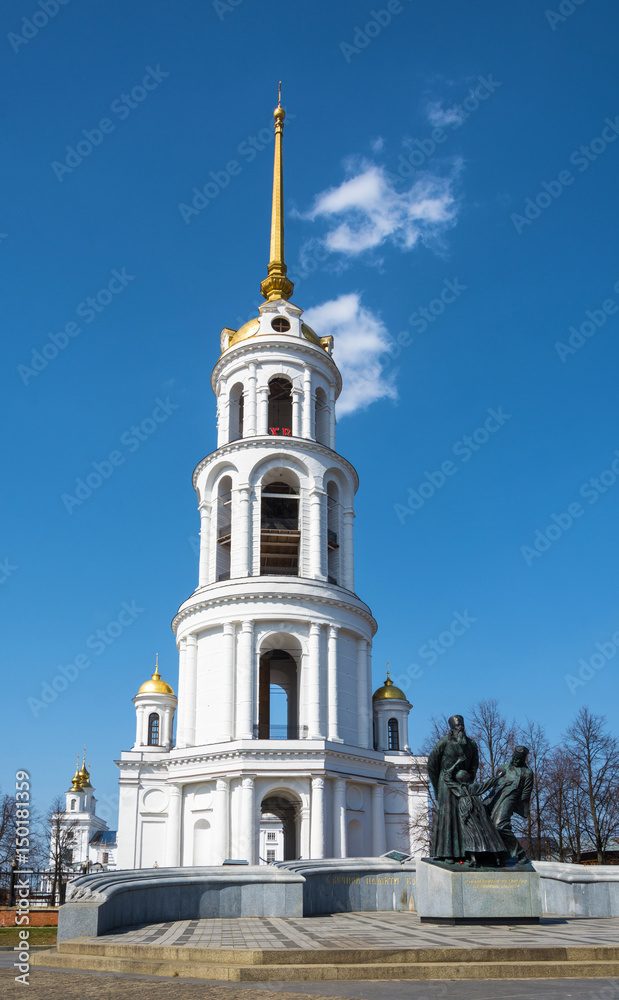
104,838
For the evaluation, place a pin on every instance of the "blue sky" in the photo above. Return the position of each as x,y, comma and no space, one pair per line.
442,220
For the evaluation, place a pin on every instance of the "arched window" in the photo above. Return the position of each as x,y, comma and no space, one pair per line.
321,415
280,407
333,532
153,730
224,528
237,409
279,530
393,736
73,804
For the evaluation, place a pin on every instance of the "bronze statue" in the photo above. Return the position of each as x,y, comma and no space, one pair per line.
448,841
511,794
481,840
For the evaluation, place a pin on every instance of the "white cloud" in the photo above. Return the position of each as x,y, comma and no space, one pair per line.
360,337
366,210
442,117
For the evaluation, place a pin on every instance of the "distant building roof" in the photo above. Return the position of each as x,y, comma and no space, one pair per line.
104,838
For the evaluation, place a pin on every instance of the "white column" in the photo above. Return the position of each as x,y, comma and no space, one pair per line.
317,834
205,517
166,729
212,542
241,508
332,689
227,678
378,820
370,703
263,410
307,403
245,682
181,739
348,569
223,412
249,417
296,412
412,817
316,534
363,708
173,828
247,833
191,670
221,817
339,818
139,726
331,398
313,683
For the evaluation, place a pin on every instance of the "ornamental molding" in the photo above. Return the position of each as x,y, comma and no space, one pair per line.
247,349
272,441
237,600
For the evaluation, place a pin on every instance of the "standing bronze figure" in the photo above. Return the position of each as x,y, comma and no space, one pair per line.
511,794
448,842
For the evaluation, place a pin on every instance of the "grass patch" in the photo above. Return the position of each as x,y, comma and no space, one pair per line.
38,935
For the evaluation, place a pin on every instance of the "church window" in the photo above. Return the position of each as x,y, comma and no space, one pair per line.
321,414
271,835
280,324
236,411
279,530
333,533
224,528
280,407
393,734
153,730
73,804
270,856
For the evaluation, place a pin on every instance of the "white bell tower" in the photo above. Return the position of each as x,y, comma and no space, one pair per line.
275,684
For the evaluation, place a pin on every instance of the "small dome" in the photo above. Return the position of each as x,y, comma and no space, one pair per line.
249,329
155,685
388,690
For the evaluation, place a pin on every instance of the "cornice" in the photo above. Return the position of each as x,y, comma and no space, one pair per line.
244,753
274,441
235,597
268,344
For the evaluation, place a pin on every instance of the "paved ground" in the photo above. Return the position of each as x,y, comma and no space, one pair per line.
109,986
367,930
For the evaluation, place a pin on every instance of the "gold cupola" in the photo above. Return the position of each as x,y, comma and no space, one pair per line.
76,781
388,690
84,774
156,685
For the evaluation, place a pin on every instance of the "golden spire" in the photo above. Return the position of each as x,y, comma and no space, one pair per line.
76,782
277,285
84,774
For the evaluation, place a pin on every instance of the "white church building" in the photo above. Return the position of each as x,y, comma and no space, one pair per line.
275,714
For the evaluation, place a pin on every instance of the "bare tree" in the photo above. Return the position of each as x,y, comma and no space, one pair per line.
8,828
594,755
495,736
62,844
535,829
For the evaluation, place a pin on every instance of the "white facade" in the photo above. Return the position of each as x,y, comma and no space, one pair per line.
89,841
275,607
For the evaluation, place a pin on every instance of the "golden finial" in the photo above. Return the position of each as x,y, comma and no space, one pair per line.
156,674
276,285
388,682
76,783
84,774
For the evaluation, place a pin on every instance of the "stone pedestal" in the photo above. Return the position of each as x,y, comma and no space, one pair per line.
468,896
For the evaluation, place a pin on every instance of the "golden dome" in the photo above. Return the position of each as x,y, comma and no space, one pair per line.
388,690
249,329
155,685
76,781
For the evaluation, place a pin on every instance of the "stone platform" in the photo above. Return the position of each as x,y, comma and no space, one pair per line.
348,946
451,895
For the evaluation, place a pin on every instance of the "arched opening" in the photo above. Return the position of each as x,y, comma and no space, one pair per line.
153,730
393,735
224,528
278,696
271,839
354,840
73,804
202,843
333,532
236,412
280,407
279,528
321,417
285,805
